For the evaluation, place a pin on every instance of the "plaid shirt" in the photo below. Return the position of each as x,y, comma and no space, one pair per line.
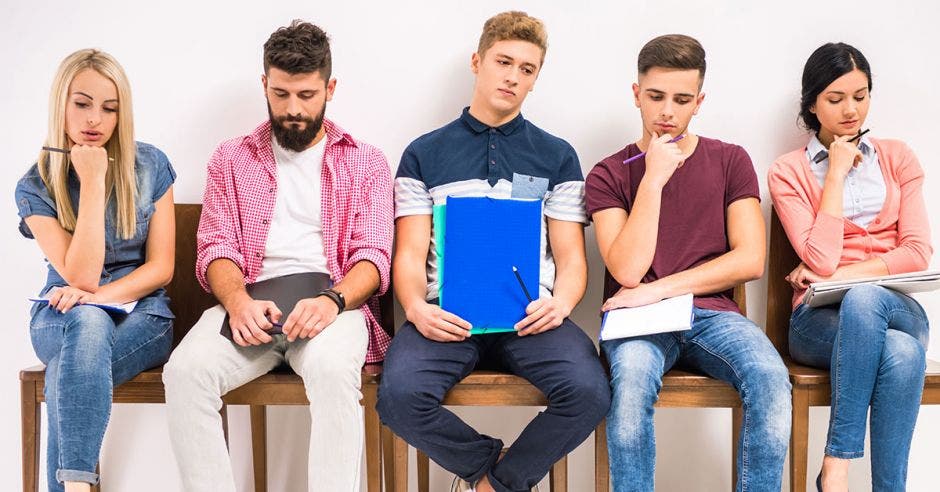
356,200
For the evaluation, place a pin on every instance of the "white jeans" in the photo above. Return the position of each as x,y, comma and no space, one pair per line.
206,366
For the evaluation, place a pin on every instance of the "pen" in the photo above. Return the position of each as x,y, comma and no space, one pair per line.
64,151
824,155
641,154
521,283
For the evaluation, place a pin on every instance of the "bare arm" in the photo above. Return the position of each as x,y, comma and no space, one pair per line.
413,240
157,269
567,243
744,261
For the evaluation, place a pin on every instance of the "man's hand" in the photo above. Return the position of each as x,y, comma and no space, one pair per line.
248,319
662,159
436,324
641,295
543,314
309,317
802,276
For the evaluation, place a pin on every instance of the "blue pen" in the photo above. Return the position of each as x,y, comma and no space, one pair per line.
642,154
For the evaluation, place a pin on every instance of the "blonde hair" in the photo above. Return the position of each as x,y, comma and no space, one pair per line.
121,178
513,26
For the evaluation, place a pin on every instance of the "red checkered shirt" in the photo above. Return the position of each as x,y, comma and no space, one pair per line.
356,203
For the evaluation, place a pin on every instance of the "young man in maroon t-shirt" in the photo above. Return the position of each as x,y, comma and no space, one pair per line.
684,218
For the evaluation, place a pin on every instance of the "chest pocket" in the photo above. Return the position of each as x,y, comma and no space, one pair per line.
525,186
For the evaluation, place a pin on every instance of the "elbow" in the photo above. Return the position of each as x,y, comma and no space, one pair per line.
626,278
753,270
167,277
822,266
86,284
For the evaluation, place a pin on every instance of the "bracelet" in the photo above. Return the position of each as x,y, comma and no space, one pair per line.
334,296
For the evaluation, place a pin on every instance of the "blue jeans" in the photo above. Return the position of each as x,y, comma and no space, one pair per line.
562,363
88,351
874,344
723,345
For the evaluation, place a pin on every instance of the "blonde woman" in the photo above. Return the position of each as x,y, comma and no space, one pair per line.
100,206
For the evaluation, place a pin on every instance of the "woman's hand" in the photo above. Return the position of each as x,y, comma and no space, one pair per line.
802,276
90,163
65,298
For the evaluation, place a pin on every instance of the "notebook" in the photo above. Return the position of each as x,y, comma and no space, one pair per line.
284,292
671,314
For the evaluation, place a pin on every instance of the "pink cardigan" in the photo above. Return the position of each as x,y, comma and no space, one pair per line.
899,235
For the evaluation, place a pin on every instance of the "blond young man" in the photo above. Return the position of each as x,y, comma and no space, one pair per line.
491,150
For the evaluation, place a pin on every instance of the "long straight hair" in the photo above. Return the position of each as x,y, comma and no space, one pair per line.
121,178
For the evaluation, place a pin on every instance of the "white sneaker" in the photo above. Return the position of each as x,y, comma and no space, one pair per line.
460,485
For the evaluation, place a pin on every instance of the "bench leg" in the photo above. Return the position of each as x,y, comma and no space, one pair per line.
601,463
373,440
424,471
259,446
737,420
798,439
388,452
30,426
558,476
399,464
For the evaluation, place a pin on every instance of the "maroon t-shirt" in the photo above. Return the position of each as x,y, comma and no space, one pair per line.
692,227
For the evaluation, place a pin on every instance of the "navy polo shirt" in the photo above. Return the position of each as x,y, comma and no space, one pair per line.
515,160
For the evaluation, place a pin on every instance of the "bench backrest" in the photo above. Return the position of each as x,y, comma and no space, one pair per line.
188,300
782,260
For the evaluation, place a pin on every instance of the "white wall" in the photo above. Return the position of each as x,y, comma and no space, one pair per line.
403,70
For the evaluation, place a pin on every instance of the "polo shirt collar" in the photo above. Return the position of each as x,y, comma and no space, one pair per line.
478,126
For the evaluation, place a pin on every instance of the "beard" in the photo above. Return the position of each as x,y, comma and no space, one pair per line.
292,138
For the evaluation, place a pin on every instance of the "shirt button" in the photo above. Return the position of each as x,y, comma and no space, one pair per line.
492,146
877,221
492,162
258,255
271,190
265,221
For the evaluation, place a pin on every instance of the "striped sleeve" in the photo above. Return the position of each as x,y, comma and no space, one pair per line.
565,201
411,192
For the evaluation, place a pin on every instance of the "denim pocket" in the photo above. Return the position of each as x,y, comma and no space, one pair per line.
524,186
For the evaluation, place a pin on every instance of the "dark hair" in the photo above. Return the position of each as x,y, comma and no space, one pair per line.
829,62
674,51
299,48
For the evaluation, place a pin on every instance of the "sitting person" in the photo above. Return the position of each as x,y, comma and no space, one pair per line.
100,206
853,207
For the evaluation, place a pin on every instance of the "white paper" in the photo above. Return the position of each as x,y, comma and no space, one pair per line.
672,314
831,292
125,308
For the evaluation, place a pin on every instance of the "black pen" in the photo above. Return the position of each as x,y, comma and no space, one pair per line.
824,155
521,283
64,151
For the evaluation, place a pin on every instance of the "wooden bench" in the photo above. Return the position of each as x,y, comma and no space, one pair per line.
810,385
188,301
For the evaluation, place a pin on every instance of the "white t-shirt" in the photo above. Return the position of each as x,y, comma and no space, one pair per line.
295,238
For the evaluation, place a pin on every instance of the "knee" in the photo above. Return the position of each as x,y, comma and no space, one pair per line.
187,374
583,393
401,398
332,372
88,326
903,360
864,296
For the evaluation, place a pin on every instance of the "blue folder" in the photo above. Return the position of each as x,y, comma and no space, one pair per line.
483,239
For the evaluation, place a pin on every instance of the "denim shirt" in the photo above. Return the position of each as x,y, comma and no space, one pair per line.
155,175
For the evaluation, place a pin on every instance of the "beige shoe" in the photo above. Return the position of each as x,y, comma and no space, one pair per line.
460,485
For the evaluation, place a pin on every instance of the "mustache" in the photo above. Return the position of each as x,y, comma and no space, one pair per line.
293,119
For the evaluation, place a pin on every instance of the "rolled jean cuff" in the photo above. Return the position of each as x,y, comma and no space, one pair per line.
845,455
490,463
496,484
76,476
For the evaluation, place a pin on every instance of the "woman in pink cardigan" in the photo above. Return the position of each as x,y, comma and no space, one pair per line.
855,209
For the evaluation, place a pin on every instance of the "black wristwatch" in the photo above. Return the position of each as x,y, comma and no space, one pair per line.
336,297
